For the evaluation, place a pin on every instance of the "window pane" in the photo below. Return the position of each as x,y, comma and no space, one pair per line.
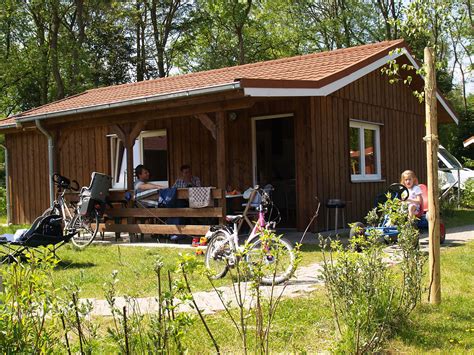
369,151
354,150
155,156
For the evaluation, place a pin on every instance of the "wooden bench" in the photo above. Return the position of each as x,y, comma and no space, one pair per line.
127,219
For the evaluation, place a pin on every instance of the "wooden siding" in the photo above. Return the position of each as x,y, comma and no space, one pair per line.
321,148
28,169
83,152
371,99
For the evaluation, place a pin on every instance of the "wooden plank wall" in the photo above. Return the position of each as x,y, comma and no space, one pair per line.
321,148
372,99
28,169
83,152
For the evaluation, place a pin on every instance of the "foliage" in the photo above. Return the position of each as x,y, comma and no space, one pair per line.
25,303
368,301
3,201
133,332
35,318
467,195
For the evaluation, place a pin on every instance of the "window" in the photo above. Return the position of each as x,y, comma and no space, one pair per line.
150,149
364,145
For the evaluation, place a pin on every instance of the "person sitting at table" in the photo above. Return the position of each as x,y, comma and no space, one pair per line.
144,188
187,179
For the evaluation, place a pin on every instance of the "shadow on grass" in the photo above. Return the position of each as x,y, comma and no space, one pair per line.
431,337
308,248
66,264
458,218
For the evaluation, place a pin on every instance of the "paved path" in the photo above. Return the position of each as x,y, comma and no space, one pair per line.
307,278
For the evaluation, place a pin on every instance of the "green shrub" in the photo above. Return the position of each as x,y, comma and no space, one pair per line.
467,196
35,317
3,201
368,300
25,305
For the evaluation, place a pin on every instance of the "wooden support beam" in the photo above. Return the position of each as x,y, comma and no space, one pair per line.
127,133
207,122
221,151
120,132
432,143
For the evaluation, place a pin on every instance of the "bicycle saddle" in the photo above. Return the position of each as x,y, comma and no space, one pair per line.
233,219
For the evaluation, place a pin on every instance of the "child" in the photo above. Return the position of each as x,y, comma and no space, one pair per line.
415,200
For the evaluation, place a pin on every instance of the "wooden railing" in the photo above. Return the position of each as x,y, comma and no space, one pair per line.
123,218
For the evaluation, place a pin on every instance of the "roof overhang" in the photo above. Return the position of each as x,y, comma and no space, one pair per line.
274,88
254,88
135,101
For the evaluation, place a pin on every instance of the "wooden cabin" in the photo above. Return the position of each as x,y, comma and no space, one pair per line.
325,124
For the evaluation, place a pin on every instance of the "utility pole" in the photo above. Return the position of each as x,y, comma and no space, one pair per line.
432,143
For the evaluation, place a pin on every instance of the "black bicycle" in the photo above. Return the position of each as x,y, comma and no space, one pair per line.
80,219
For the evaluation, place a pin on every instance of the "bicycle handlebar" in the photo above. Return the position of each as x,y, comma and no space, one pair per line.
64,183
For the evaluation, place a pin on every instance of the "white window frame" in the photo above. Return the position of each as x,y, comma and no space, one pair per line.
361,125
137,157
146,134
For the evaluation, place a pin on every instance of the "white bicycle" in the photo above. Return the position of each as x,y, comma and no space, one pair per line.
273,256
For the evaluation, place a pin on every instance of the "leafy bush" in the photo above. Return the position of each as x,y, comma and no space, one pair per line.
36,318
3,201
467,196
27,300
367,298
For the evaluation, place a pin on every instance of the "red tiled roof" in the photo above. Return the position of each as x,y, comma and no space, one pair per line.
7,121
304,71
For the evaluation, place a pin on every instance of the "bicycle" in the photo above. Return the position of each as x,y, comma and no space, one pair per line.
274,256
80,219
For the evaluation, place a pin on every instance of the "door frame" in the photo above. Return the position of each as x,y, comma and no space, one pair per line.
254,138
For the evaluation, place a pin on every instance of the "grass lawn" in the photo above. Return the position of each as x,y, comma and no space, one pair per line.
302,324
460,217
305,324
91,267
449,327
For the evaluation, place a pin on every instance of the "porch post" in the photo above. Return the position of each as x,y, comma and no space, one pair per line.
127,133
129,149
221,150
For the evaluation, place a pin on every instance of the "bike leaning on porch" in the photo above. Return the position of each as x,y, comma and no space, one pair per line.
271,254
83,217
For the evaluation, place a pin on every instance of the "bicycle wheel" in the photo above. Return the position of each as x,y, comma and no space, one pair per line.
217,254
85,228
272,259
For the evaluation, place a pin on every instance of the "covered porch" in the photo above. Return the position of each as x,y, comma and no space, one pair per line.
216,135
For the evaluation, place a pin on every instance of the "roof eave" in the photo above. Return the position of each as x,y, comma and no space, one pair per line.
256,88
135,101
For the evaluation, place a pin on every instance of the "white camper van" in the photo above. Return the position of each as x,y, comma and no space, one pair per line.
448,173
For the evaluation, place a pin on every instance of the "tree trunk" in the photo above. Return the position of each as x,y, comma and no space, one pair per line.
140,75
43,49
160,50
54,51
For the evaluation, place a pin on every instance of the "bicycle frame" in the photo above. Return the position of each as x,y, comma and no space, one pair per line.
64,208
259,226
